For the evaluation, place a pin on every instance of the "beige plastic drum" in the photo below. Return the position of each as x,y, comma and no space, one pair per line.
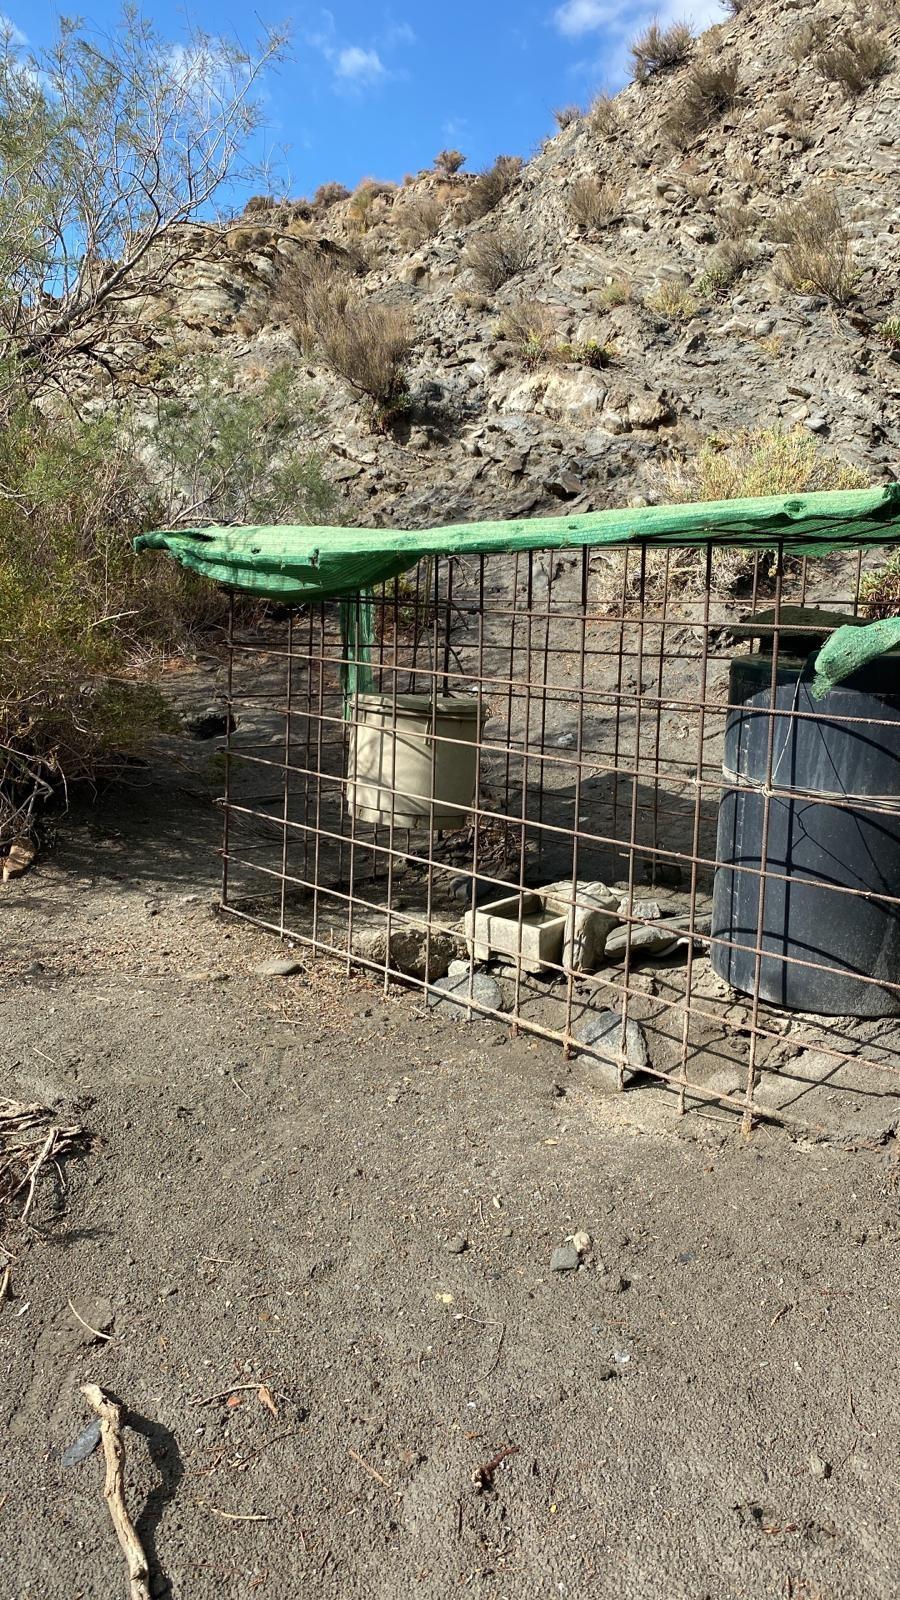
399,765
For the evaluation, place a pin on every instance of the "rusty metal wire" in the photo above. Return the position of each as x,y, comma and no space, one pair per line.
604,687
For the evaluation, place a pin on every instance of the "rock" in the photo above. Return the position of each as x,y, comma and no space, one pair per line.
408,950
565,396
603,1032
456,1245
565,1258
649,411
485,889
566,741
582,1242
454,991
642,941
644,910
278,967
83,1446
819,1468
817,423
589,921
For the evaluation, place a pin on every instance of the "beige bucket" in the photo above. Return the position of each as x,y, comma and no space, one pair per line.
393,748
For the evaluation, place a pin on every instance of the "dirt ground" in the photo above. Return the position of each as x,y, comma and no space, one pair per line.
707,1408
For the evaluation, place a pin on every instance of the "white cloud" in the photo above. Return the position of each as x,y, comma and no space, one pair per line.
575,18
355,65
582,16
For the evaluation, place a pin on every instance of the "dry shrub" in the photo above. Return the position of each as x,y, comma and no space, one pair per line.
260,202
448,162
658,49
671,300
879,591
855,60
615,293
495,257
329,194
368,345
310,284
730,258
605,116
756,462
565,116
751,464
489,188
710,89
420,219
816,257
594,202
530,326
363,201
808,39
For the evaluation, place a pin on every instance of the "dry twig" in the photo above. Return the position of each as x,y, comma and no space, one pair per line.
373,1473
111,1415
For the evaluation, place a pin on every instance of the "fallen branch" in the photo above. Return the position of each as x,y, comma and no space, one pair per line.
30,1141
483,1477
111,1415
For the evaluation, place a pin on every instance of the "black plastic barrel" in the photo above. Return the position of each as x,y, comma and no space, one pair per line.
818,944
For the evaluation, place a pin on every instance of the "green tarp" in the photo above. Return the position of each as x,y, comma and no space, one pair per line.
297,565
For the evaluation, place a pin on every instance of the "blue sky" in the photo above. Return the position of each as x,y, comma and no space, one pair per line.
374,89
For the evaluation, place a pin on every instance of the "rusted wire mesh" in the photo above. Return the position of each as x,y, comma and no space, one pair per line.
598,784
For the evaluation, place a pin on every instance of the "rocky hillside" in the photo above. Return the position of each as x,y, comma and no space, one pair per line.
717,247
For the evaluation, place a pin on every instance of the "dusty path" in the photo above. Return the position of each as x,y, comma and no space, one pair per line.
707,1409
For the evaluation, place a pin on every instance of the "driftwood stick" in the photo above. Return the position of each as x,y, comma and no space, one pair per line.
111,1418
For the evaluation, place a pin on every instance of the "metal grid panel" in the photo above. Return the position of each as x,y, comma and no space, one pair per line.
600,686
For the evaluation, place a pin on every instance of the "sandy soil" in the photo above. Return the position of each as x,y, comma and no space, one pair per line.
707,1408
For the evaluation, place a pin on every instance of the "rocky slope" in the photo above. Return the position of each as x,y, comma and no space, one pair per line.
495,430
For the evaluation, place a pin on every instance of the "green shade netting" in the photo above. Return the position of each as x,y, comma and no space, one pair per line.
297,565
300,565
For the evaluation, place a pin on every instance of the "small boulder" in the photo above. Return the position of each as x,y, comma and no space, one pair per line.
565,1258
453,990
603,1033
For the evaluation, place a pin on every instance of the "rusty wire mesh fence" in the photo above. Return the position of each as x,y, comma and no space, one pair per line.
594,794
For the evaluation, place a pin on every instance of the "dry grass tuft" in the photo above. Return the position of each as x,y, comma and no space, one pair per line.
711,88
615,293
448,162
751,464
329,194
879,591
495,257
855,60
659,49
605,116
816,257
673,301
760,461
595,202
420,219
490,187
566,116
530,326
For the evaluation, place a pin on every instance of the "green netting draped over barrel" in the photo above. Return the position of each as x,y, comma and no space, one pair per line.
297,565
